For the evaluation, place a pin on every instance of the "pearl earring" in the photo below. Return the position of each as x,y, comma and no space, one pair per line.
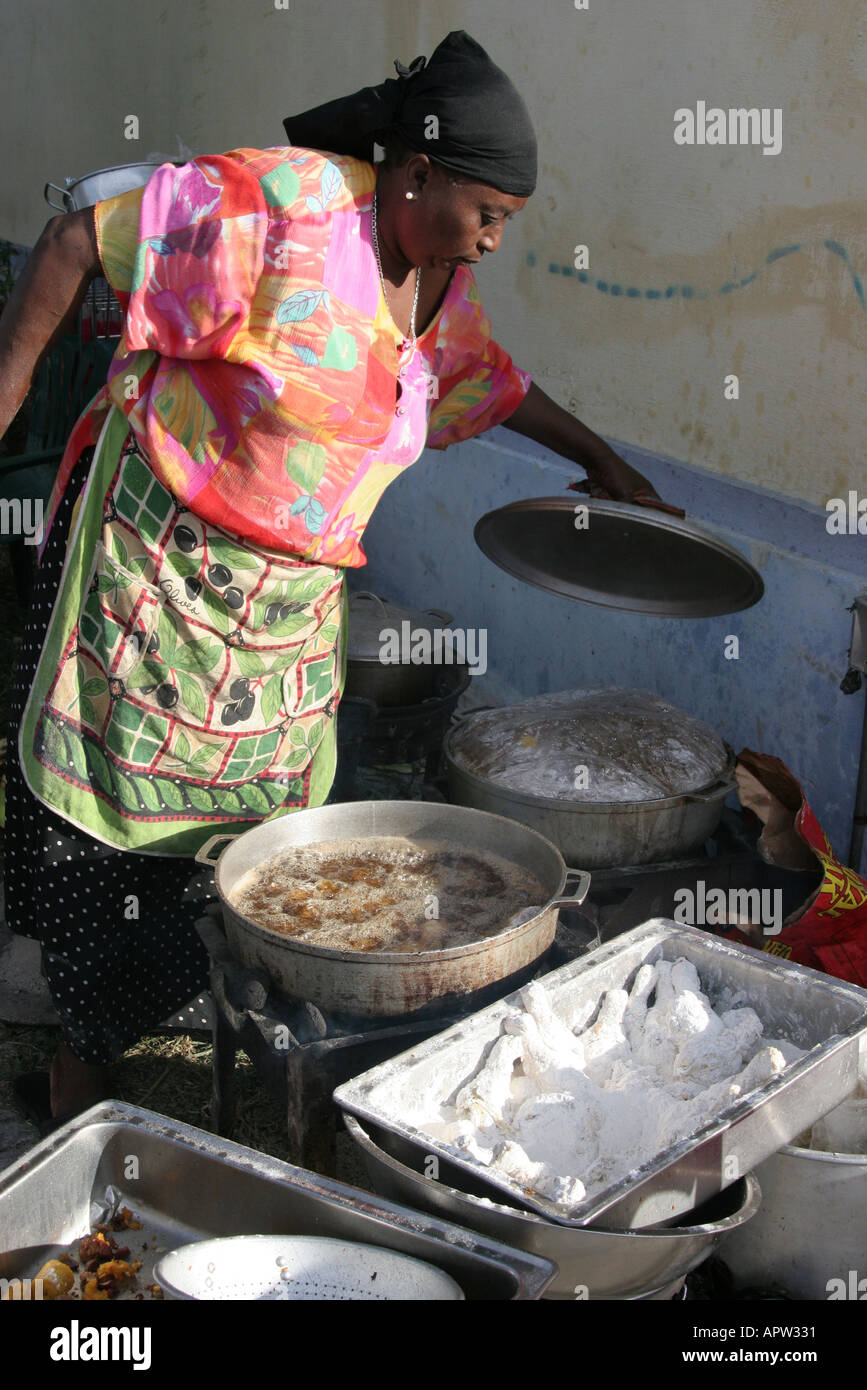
410,197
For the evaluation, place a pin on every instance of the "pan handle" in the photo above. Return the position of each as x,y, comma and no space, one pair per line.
374,598
58,207
579,880
203,855
721,788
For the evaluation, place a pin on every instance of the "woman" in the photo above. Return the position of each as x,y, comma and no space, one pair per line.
298,324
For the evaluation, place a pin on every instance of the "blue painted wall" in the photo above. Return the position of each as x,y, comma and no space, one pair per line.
782,696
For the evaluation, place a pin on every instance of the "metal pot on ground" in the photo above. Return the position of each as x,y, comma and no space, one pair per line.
377,984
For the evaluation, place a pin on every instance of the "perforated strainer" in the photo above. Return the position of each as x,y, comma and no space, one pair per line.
298,1268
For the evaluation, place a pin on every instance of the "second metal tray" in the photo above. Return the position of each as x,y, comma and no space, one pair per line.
184,1185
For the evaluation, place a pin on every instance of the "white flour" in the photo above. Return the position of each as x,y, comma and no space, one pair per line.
567,1110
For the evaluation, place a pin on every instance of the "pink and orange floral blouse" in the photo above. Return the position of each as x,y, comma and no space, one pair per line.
259,364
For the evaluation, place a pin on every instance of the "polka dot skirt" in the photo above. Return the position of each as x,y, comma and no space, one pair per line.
119,948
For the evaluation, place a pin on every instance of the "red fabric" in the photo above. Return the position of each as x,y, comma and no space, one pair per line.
831,932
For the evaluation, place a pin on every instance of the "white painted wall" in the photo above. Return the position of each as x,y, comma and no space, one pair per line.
603,86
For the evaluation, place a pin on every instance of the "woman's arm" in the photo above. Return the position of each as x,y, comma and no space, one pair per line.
542,419
45,300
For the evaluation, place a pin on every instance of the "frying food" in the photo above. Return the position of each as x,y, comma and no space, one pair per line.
386,894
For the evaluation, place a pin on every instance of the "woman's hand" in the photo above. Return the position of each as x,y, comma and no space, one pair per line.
540,418
618,478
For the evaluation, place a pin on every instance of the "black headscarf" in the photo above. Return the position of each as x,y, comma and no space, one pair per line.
482,127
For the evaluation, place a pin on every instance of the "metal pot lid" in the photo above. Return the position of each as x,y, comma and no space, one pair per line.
370,616
628,557
594,745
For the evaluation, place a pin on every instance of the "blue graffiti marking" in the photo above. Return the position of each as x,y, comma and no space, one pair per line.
779,253
688,291
841,251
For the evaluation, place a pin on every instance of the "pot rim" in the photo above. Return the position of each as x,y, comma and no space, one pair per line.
374,661
405,959
116,168
823,1155
548,803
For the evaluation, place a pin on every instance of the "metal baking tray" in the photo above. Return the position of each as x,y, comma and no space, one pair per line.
812,1010
628,557
191,1185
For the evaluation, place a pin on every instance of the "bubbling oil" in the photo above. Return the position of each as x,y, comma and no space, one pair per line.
386,893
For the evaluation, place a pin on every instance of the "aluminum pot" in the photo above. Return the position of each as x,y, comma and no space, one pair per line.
403,683
608,1264
602,834
102,183
381,984
812,1228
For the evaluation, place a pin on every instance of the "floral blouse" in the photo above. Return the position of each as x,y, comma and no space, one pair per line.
259,364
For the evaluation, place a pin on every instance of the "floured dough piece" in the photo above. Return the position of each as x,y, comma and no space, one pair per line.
605,1039
636,1010
487,1096
538,1059
554,1032
678,1118
714,1054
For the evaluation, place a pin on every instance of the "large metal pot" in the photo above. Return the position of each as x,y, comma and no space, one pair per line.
596,833
812,1229
390,683
388,983
604,834
608,1264
102,183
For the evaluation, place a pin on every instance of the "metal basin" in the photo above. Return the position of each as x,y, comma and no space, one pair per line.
381,984
608,1264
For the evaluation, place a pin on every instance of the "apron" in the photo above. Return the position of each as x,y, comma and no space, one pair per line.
188,681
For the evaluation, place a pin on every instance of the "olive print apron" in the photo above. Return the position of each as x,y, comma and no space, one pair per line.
188,681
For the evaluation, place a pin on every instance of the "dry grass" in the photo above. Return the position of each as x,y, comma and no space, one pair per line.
168,1073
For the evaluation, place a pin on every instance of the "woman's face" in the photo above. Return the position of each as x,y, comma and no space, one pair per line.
446,224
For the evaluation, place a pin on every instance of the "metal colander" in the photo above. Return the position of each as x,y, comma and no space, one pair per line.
300,1268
